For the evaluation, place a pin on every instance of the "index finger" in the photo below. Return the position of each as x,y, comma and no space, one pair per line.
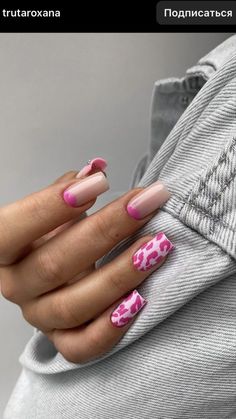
39,213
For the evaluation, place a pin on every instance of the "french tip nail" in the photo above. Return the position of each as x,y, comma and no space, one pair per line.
86,189
133,212
69,199
166,194
164,184
148,200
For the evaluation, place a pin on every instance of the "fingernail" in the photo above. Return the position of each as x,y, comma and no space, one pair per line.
153,197
97,163
86,190
127,309
152,252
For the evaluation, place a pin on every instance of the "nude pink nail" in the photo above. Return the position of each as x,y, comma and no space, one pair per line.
86,189
152,252
127,309
145,202
97,163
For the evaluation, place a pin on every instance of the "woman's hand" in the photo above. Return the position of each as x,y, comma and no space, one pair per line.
48,250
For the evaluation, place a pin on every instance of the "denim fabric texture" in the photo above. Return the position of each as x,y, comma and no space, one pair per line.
178,359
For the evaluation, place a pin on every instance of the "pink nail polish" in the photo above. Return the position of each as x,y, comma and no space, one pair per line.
97,163
127,309
152,252
153,197
86,189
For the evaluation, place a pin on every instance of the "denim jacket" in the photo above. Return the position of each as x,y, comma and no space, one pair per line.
178,359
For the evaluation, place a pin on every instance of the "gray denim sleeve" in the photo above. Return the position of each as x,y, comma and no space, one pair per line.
178,359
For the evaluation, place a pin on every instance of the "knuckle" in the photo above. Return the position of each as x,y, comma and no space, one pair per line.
33,205
47,266
8,290
107,230
118,283
61,314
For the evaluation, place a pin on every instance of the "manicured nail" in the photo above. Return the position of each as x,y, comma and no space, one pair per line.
97,163
153,197
86,190
152,252
127,309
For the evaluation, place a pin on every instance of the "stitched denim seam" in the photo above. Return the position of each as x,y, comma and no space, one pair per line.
204,184
217,196
203,213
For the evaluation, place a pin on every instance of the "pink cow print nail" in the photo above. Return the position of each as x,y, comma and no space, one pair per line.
129,307
152,252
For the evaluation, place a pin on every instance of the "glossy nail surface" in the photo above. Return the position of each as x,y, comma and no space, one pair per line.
127,309
87,189
152,252
153,197
97,163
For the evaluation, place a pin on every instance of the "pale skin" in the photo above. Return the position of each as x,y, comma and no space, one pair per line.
47,255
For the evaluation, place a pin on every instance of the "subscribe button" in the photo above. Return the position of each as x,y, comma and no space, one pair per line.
196,12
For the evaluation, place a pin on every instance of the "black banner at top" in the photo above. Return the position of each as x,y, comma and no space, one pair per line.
119,16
